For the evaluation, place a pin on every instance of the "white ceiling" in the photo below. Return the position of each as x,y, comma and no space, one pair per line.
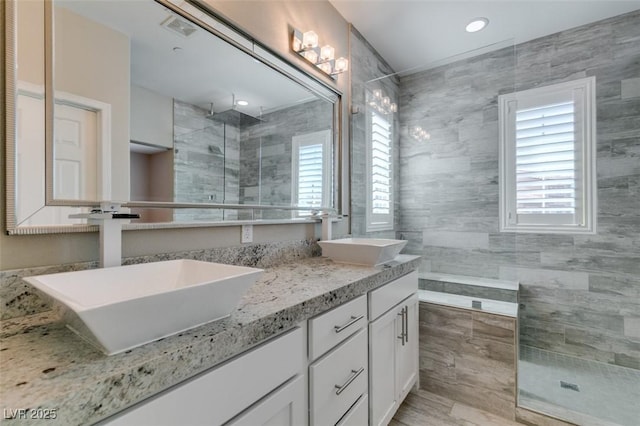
199,69
414,34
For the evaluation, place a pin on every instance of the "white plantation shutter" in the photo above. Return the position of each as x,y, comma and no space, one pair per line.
379,170
311,170
547,158
310,176
380,164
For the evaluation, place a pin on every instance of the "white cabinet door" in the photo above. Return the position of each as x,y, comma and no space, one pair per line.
218,395
407,353
151,117
283,407
383,333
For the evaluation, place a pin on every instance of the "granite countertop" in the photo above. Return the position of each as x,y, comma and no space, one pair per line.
46,366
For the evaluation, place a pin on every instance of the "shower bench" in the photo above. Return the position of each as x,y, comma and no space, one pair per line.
469,340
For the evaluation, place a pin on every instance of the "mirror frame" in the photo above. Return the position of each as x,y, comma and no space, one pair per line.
217,26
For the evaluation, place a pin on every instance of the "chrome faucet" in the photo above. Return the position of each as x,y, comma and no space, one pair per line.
110,219
326,226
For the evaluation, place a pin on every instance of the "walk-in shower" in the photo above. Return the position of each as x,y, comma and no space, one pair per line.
579,291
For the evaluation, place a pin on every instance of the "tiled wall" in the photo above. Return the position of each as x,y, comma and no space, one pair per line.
367,66
580,294
239,161
469,356
265,156
206,161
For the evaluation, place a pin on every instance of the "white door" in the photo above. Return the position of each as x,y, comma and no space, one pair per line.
382,365
75,153
407,355
29,156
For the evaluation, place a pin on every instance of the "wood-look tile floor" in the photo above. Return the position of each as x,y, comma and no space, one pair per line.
422,408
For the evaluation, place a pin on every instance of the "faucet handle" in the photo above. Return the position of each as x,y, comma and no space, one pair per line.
125,216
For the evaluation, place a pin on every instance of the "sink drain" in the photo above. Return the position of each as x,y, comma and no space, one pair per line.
571,386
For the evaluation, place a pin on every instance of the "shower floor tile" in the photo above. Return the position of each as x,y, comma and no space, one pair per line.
581,391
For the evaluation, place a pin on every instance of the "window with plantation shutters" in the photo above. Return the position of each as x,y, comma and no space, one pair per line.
310,171
547,159
379,170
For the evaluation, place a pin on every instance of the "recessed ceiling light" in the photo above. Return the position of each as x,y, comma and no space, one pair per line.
476,25
242,103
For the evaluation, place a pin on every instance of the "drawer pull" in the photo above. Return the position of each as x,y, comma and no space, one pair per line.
353,320
354,375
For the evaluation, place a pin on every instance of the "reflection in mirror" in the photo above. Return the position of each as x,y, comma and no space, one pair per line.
207,123
29,126
151,106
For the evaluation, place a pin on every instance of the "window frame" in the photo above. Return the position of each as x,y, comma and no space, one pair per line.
376,221
582,92
322,137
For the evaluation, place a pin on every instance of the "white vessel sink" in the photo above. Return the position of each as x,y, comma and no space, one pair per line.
123,307
362,251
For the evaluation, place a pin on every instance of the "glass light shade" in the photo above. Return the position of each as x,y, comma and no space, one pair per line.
310,40
393,107
377,94
325,67
311,56
342,64
386,101
327,53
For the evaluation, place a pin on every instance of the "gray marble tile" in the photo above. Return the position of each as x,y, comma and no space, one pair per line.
632,328
546,277
467,240
630,88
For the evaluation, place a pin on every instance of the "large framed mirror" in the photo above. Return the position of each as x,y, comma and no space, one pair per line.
157,105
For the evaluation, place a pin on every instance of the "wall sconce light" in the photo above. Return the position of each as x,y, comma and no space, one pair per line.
380,102
419,134
306,45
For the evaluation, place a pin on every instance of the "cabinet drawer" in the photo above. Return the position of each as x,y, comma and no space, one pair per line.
331,328
358,415
229,388
337,380
384,298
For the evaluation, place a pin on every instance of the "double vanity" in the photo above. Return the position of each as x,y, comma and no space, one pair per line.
313,341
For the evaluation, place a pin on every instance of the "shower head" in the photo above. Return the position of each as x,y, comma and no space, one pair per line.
232,115
235,117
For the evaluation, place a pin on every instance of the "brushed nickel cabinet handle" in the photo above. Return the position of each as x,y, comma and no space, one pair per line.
353,320
403,333
406,320
354,375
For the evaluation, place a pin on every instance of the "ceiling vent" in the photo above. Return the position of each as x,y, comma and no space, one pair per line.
179,26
